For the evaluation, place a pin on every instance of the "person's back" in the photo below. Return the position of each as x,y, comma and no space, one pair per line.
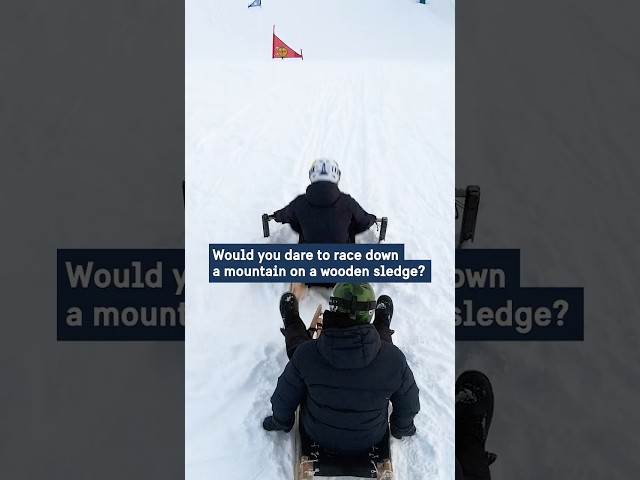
350,376
324,214
344,380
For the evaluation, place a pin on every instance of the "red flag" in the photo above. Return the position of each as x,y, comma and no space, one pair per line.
280,49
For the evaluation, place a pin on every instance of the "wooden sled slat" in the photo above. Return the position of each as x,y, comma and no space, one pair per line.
316,322
299,290
384,470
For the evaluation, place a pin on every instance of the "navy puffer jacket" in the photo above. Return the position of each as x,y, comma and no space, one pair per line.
325,215
344,382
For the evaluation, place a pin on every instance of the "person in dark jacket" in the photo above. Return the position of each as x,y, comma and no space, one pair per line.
343,381
324,214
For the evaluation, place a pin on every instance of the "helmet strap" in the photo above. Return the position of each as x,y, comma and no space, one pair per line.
352,305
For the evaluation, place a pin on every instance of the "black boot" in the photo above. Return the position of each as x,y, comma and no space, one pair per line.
384,309
289,308
474,411
474,399
382,319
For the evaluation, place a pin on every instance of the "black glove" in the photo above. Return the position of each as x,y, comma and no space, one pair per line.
271,424
402,432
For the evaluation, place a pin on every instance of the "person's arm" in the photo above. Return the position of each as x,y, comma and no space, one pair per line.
286,214
360,219
286,398
406,405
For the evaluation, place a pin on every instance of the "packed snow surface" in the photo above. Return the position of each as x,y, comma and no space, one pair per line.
375,91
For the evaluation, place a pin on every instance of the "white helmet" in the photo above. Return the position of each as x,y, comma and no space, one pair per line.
324,170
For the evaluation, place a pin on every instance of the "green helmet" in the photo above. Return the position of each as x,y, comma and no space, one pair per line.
356,299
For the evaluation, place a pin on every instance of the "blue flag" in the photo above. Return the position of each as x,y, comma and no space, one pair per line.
255,3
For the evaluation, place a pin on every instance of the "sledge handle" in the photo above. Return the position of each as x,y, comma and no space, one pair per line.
265,224
383,229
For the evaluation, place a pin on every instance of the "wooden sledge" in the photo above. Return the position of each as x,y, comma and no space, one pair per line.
311,460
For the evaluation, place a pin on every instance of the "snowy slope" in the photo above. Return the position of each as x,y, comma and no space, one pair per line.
325,30
376,92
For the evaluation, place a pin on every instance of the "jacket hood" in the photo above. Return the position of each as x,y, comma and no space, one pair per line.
322,194
351,347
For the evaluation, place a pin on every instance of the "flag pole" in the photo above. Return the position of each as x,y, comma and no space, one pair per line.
273,42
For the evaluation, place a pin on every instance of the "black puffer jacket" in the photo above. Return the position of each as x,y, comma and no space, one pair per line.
325,215
344,382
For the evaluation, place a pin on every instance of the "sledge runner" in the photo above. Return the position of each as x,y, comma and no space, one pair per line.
474,411
344,380
324,214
